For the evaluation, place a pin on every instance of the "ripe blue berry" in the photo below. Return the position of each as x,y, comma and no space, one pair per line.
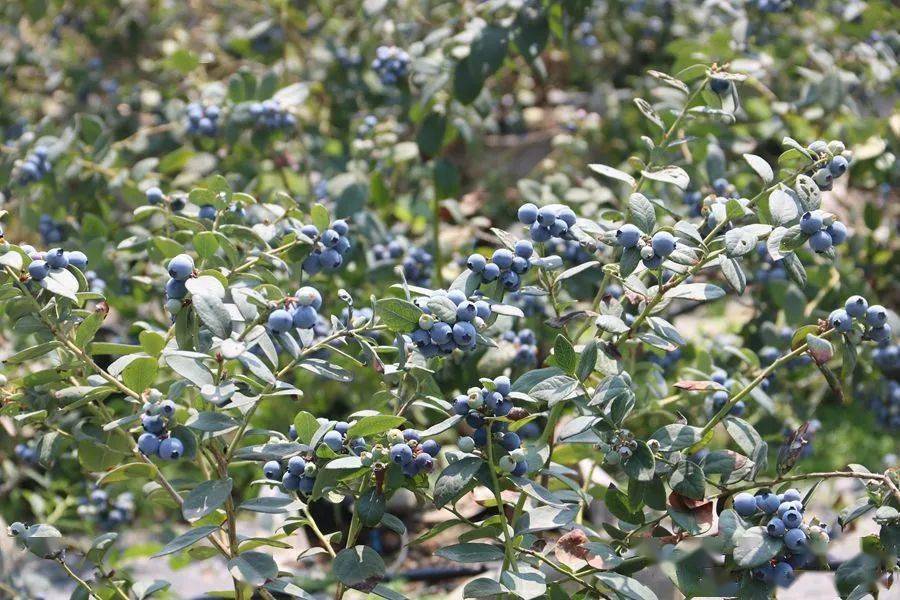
272,470
824,179
208,211
511,441
767,502
441,333
334,440
856,306
424,462
810,223
838,232
524,249
792,495
528,213
280,320
305,317
628,235
838,166
840,320
290,482
820,241
401,454
56,258
784,575
546,216
466,311
306,484
176,289
430,447
464,334
296,465
502,258
520,469
719,85
476,263
181,267
77,259
148,444
153,423
876,315
776,527
792,518
38,269
880,334
745,504
171,449
540,233
663,243
154,195
795,540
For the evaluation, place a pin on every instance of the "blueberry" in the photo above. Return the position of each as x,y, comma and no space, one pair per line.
539,233
840,320
524,249
795,540
208,211
792,495
510,280
77,259
56,258
457,296
776,527
719,376
720,186
306,484
476,263
167,408
628,235
876,315
856,306
511,441
342,427
38,269
466,444
520,265
824,179
719,85
480,437
767,502
280,320
502,258
653,262
441,333
464,334
567,215
341,227
171,449
291,482
272,470
546,216
331,259
154,195
401,454
181,267
330,238
491,272
461,406
745,504
559,228
838,232
176,289
528,213
296,465
838,166
148,444
430,447
153,424
810,223
424,462
482,309
792,518
466,311
784,575
820,241
305,317
502,385
880,334
334,440
520,469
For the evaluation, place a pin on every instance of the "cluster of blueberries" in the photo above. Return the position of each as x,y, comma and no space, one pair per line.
107,512
52,232
662,244
417,262
330,247
504,265
621,447
785,521
391,64
525,344
720,397
480,404
156,440
823,230
885,400
406,449
768,270
693,199
26,453
203,119
180,268
270,115
56,258
95,283
836,166
532,305
442,335
298,474
300,311
547,222
35,166
857,307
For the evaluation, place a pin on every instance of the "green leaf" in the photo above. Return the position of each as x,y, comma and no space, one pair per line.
206,243
587,361
642,212
470,552
61,282
33,352
373,425
306,425
370,507
320,217
213,314
140,373
206,498
565,354
129,472
399,315
625,587
676,437
756,547
360,568
211,422
687,479
254,568
431,134
641,464
456,480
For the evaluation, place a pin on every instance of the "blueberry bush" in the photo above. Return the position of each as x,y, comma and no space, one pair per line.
518,298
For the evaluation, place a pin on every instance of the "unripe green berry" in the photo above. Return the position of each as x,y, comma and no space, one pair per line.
395,436
426,322
518,455
835,147
310,469
613,458
466,444
507,464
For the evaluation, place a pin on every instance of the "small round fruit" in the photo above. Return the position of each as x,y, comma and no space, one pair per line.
628,235
792,495
795,540
476,263
56,258
767,502
430,447
528,213
154,195
520,469
77,259
745,504
290,482
824,179
838,166
524,249
280,320
719,85
663,243
876,315
334,440
167,408
856,306
171,449
820,241
506,464
840,320
272,470
838,232
784,575
466,444
148,444
309,296
511,441
296,465
401,454
208,211
546,216
776,527
305,317
181,267
810,223
792,518
38,269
